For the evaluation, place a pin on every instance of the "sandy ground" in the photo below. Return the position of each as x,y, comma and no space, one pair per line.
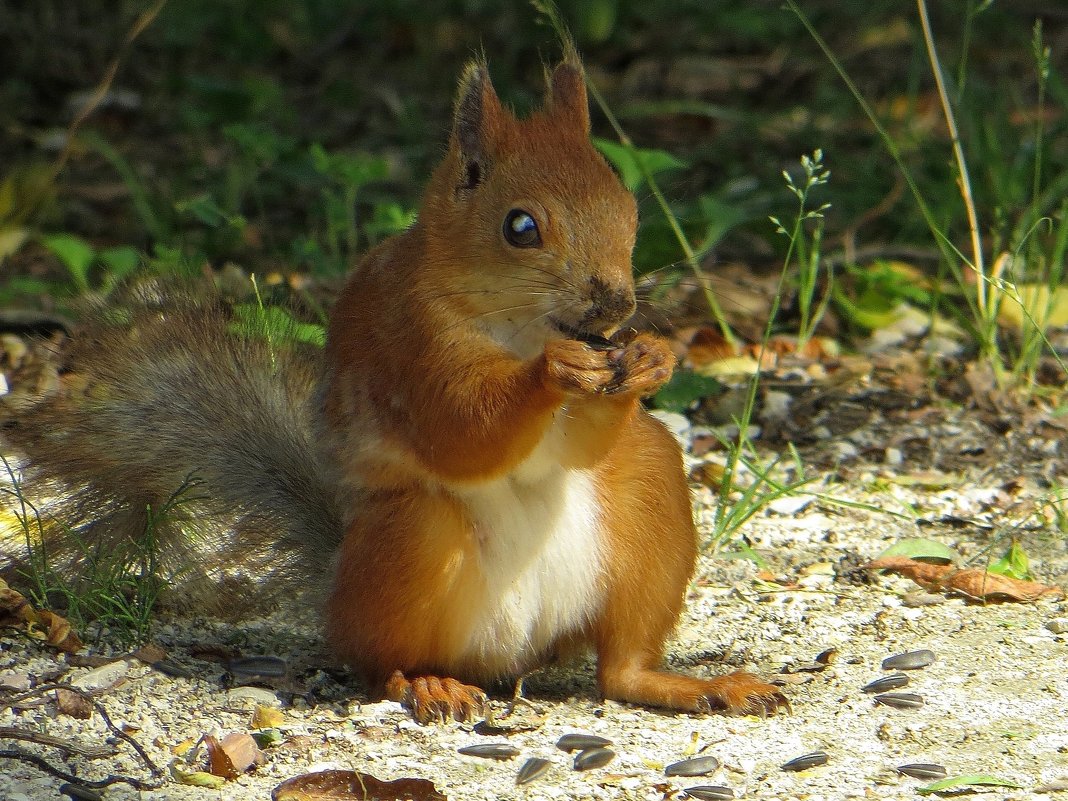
994,699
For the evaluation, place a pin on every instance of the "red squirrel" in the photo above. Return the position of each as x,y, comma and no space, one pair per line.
471,460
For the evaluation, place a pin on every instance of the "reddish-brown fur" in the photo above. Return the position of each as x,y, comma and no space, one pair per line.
445,373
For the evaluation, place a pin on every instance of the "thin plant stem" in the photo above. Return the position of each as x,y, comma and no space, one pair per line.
949,251
965,185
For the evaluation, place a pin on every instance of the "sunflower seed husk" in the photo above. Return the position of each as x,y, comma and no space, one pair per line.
698,766
531,770
894,681
913,660
596,341
591,758
257,666
927,771
580,742
710,792
78,793
900,700
813,760
169,668
489,750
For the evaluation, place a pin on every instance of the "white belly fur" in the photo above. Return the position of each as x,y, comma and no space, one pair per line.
540,561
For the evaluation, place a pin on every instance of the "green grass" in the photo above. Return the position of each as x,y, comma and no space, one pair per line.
113,592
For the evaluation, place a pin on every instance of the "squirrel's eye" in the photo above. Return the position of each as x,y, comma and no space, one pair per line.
520,229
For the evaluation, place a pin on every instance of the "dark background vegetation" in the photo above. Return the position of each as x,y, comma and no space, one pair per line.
245,130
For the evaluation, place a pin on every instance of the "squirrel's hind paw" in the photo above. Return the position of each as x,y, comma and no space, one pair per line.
742,693
436,700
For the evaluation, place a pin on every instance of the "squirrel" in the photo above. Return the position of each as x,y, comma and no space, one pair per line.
467,470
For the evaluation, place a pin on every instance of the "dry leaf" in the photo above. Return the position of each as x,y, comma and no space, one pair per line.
815,348
197,778
149,654
266,717
348,785
14,608
58,632
16,611
74,704
233,755
184,747
708,345
975,583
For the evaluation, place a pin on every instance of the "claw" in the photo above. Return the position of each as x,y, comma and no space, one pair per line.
436,700
745,694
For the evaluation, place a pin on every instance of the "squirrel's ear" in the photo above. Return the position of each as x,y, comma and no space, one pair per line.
566,99
476,121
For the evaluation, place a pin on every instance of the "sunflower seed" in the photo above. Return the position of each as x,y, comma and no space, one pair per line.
489,750
900,700
580,742
815,759
894,681
698,766
591,758
531,770
913,660
78,793
169,668
710,792
257,667
923,770
596,341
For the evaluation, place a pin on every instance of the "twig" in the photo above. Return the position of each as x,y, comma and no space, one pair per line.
43,764
9,700
156,769
70,746
94,100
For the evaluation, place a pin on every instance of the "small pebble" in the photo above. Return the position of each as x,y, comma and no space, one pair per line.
895,681
593,758
532,769
710,792
900,700
580,742
257,694
923,770
913,660
103,677
1058,625
698,766
490,750
813,760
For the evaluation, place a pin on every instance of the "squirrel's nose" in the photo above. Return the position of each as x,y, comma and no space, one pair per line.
609,305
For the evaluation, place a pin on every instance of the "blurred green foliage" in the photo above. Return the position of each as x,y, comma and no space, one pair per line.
292,136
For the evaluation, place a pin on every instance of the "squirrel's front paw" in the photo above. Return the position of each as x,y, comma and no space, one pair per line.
578,368
639,367
642,367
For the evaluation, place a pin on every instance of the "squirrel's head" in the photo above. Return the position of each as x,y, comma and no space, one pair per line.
541,223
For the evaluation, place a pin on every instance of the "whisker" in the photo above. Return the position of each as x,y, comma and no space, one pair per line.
529,322
473,292
480,315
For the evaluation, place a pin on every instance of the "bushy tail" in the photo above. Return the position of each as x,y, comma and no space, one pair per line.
177,403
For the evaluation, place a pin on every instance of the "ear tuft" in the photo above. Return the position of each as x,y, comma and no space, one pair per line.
475,119
566,100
